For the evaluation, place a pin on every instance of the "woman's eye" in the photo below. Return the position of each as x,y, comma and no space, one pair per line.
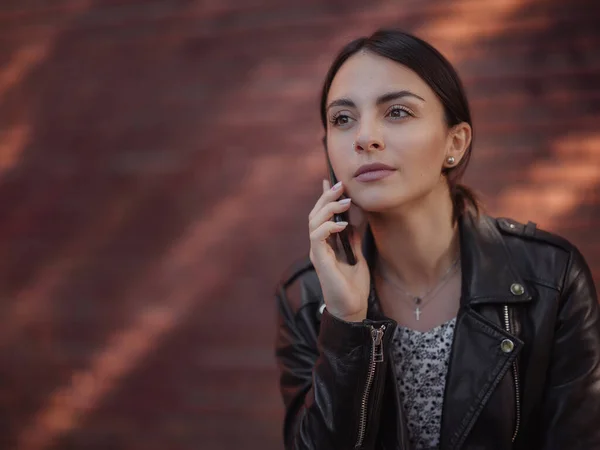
398,112
340,120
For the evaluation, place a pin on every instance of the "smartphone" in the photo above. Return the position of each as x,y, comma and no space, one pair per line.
344,235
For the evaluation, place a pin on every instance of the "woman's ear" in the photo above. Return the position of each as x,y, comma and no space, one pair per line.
459,139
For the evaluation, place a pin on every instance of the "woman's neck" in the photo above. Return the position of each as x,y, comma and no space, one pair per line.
417,244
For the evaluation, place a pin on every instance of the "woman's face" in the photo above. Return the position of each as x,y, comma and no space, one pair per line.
379,111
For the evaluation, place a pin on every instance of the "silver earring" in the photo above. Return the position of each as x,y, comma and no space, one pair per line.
450,160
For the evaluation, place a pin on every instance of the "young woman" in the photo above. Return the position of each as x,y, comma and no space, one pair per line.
453,330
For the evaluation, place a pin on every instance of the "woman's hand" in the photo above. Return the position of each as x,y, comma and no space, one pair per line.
345,287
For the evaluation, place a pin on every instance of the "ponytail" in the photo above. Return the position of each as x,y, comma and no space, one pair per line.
464,201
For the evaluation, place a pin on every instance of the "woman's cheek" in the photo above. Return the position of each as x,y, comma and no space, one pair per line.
342,163
420,147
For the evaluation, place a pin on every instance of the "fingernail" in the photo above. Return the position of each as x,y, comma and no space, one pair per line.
341,224
344,201
337,186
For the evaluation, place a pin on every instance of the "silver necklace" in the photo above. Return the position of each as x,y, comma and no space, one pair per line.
418,299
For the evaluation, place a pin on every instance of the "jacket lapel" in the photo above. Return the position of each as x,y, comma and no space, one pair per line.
488,274
479,361
477,365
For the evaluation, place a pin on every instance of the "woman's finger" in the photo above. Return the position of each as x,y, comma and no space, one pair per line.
319,236
327,212
328,196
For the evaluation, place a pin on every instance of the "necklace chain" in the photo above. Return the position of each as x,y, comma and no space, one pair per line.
418,299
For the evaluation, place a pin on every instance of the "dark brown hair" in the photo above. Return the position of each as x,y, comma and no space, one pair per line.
438,73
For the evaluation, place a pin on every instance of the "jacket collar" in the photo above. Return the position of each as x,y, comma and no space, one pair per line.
489,271
489,274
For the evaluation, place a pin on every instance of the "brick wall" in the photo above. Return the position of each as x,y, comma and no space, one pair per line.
157,163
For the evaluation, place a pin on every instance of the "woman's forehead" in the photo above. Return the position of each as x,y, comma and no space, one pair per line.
366,76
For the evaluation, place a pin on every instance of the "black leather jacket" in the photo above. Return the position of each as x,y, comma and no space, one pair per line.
524,367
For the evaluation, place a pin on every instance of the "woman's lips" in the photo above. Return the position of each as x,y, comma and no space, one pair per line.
374,175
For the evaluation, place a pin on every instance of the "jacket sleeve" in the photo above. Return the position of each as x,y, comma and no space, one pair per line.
571,409
325,374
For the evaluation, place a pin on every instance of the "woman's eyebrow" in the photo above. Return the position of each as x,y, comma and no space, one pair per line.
396,95
380,100
341,102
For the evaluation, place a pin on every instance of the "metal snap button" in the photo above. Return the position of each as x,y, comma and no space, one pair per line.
512,225
517,289
507,346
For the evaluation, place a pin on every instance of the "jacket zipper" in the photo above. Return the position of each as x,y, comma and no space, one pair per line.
515,377
376,357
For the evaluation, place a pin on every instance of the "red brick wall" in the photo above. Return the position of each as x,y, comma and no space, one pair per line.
157,163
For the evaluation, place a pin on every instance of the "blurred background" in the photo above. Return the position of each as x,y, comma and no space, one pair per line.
158,160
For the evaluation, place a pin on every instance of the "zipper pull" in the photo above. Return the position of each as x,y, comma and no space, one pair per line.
377,338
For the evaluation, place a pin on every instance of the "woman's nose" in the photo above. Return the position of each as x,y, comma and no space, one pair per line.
369,138
368,144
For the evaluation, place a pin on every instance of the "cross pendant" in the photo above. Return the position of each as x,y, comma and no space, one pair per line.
418,309
418,313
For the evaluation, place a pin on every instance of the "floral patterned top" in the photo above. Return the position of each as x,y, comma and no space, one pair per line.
421,360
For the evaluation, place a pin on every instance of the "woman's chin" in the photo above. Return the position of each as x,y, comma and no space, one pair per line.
374,203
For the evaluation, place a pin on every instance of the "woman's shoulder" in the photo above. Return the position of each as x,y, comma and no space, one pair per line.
530,231
541,251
